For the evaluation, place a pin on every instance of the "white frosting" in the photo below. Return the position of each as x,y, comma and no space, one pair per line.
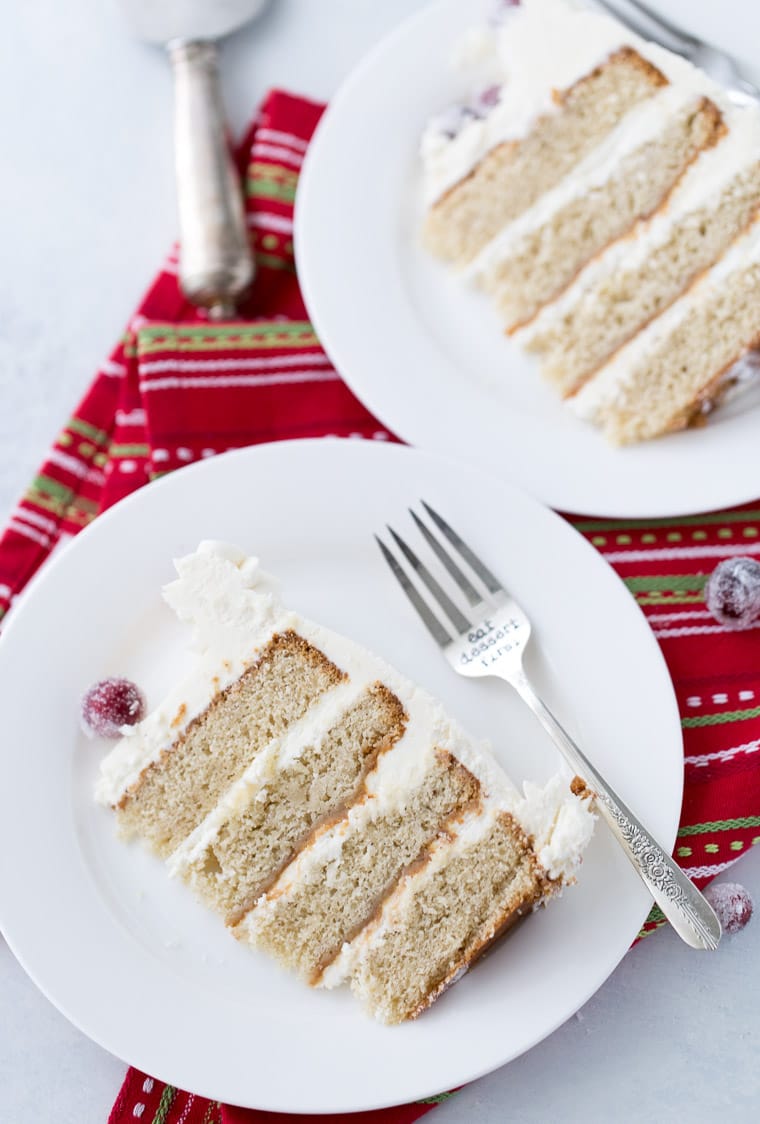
703,185
742,375
224,595
543,46
641,126
560,827
605,387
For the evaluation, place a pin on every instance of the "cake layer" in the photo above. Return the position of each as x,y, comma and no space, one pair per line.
175,792
313,785
675,370
336,886
538,256
468,891
635,283
512,175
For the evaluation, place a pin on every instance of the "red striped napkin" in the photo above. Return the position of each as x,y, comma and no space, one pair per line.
178,389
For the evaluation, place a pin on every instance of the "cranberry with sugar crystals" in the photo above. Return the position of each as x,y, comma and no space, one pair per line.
731,903
109,705
732,592
486,100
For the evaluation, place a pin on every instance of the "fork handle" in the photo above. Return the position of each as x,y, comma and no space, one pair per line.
676,895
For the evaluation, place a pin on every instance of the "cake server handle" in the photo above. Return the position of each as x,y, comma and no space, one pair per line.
216,264
685,908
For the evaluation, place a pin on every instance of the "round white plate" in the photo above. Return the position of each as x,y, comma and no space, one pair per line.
130,957
429,357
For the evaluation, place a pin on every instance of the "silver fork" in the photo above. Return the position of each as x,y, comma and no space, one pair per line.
720,66
491,640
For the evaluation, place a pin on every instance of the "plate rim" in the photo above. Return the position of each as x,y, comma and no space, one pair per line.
347,446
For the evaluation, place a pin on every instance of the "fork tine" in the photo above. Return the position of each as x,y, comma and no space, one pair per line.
429,619
646,30
464,583
678,33
458,619
491,582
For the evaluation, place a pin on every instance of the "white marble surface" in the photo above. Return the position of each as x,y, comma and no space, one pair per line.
86,212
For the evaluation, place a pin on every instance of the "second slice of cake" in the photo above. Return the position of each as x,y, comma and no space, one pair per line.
604,192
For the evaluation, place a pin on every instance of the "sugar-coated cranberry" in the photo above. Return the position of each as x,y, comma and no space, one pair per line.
486,99
731,903
732,592
109,705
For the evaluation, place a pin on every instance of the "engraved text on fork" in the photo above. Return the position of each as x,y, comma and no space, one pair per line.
491,640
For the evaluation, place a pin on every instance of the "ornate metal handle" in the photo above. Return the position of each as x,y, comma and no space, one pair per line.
678,898
216,264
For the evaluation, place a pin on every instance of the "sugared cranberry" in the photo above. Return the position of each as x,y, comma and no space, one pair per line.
732,592
109,705
732,904
486,99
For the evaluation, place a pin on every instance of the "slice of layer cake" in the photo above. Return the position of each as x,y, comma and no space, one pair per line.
608,242
686,361
641,276
531,261
498,166
470,890
318,801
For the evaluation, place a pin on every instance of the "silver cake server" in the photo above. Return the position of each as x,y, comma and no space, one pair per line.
216,263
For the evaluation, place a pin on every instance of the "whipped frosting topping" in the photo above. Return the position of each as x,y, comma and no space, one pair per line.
224,595
233,611
539,47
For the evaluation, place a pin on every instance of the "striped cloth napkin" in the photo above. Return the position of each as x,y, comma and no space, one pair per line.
177,389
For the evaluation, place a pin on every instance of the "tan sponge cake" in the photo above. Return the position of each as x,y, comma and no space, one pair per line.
327,808
596,181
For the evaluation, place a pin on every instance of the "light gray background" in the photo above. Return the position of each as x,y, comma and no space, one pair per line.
86,213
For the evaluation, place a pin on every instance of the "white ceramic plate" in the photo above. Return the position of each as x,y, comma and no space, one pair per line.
130,956
428,357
